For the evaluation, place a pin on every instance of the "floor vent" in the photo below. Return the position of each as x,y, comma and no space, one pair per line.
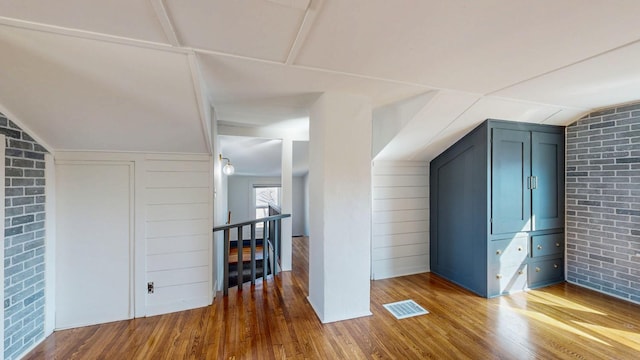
404,309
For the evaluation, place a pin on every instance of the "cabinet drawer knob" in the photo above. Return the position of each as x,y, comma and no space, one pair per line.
539,247
519,248
555,266
499,276
520,272
498,252
557,244
538,269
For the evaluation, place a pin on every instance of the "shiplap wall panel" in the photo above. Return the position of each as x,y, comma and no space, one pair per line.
178,196
177,180
399,204
166,245
178,232
394,267
407,169
399,251
177,212
177,166
400,230
398,239
401,227
405,192
401,180
381,217
176,227
179,276
178,260
175,294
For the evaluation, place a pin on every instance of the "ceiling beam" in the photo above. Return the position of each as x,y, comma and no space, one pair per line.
165,22
307,22
201,95
89,35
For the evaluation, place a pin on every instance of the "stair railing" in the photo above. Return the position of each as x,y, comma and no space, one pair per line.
271,237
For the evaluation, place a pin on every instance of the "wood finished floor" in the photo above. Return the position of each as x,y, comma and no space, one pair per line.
275,322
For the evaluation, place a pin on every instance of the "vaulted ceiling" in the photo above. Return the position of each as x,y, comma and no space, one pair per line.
140,75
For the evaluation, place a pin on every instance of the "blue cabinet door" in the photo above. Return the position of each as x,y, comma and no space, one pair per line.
547,169
510,171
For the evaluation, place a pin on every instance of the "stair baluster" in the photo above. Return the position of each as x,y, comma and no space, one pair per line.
270,248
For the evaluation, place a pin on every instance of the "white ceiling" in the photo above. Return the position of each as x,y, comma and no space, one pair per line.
140,75
253,156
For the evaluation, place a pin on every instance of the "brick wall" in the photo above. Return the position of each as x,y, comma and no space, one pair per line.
603,201
23,240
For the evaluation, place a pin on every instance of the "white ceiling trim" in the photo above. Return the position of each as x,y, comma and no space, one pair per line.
89,35
317,69
165,22
307,23
236,56
565,67
551,116
523,101
202,100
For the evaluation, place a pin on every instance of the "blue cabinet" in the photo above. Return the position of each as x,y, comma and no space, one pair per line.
496,194
510,176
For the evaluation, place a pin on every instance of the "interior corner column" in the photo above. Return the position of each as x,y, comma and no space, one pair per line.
340,206
287,203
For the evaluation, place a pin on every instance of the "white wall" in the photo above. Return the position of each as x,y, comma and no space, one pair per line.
173,218
178,233
400,231
340,206
219,208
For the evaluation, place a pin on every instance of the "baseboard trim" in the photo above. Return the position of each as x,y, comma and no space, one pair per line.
160,309
401,272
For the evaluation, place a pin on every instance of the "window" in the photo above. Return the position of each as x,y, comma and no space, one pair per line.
264,195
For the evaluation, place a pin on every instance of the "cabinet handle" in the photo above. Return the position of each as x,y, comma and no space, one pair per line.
537,269
498,252
539,247
499,276
555,266
520,272
557,244
519,248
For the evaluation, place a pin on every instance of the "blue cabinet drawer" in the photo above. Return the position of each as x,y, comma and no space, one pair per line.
509,251
545,272
507,279
545,245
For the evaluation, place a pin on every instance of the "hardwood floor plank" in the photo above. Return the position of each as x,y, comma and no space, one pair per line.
273,320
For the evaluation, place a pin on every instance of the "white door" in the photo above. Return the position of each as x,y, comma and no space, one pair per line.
94,251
